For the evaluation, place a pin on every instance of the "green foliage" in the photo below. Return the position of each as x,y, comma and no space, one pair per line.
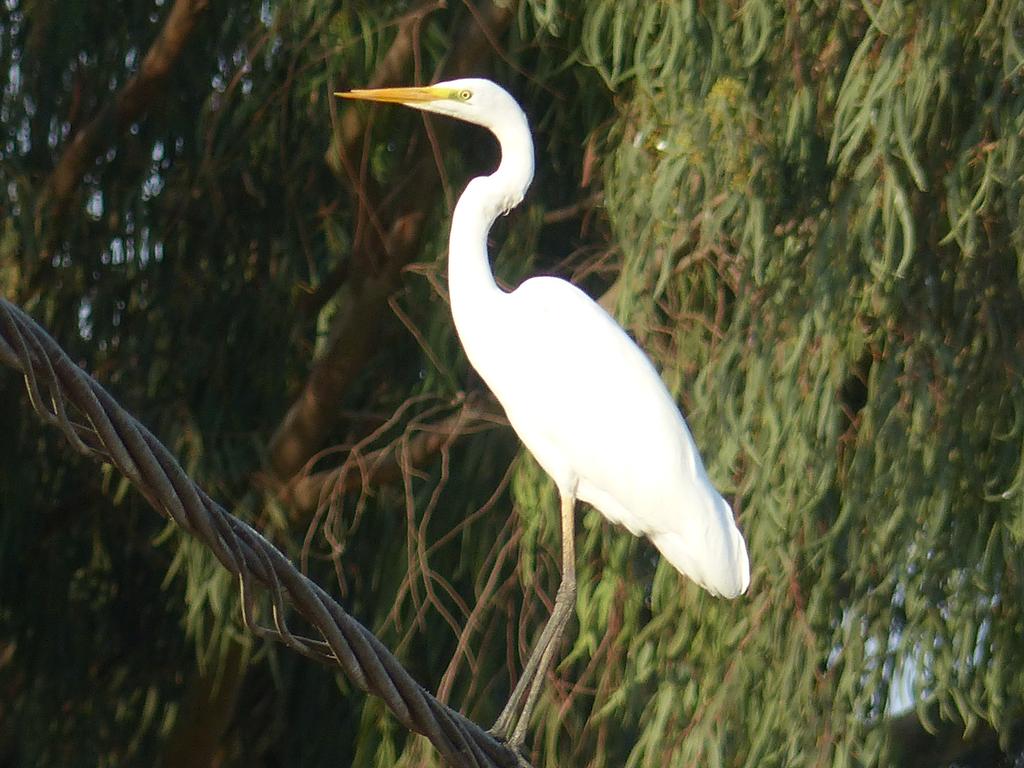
813,221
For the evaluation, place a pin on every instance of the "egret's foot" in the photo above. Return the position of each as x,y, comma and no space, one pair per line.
506,728
502,728
518,747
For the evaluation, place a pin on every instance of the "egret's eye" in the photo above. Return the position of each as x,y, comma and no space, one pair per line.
465,94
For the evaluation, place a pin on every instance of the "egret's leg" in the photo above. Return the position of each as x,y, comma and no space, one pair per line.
547,644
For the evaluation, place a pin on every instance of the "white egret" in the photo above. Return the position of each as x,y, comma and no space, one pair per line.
582,396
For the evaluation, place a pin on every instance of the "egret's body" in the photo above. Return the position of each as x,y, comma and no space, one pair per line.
568,377
582,396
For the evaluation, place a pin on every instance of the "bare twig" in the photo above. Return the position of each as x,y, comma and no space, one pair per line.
383,465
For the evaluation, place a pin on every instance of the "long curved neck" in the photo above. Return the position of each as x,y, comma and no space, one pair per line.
470,280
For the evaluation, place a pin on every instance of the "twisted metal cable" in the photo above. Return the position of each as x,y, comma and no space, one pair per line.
112,435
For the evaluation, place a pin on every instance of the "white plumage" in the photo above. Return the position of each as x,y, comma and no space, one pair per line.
595,414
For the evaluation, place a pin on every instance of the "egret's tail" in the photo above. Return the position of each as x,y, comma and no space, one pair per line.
722,570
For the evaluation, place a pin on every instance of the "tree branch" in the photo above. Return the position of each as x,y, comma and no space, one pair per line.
127,106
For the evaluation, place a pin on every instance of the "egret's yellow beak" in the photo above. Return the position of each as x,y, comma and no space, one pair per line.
396,95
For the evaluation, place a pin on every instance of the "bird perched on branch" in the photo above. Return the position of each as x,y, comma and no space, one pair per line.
582,396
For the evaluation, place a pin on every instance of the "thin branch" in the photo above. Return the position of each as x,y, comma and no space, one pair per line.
384,465
570,212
